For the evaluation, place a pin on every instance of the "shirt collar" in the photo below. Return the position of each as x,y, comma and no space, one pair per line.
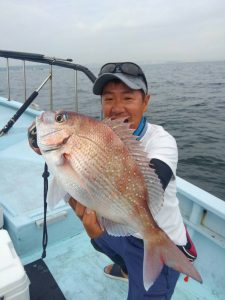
140,131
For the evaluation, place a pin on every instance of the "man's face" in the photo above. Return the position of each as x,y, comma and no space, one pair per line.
118,100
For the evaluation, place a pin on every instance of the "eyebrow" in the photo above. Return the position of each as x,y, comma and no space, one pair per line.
128,91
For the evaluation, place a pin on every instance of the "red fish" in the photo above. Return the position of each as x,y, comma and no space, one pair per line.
104,167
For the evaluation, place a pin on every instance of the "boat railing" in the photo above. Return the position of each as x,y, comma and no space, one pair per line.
42,59
51,61
202,212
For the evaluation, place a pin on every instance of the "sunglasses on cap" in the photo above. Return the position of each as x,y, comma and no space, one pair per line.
128,68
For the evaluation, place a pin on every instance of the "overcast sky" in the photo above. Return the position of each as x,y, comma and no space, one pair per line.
115,30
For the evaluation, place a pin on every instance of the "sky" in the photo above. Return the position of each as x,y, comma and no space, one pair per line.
99,31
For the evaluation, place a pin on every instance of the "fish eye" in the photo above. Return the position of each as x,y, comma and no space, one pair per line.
61,117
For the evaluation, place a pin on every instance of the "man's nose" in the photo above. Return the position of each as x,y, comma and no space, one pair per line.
117,107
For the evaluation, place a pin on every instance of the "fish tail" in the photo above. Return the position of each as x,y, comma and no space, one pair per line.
160,250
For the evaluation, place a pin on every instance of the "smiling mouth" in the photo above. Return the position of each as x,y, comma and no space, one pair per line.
125,119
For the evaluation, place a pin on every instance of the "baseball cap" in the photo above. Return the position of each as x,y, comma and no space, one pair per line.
127,72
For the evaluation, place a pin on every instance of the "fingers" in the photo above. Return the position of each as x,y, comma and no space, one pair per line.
72,202
91,224
80,210
88,218
77,207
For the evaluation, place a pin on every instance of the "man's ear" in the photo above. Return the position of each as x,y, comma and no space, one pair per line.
146,102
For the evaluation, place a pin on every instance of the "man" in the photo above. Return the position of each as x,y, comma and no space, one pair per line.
124,93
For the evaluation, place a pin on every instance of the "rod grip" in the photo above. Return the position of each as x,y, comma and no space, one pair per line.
19,112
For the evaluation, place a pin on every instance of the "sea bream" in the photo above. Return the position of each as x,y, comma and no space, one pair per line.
104,167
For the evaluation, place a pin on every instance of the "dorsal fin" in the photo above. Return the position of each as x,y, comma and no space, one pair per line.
136,149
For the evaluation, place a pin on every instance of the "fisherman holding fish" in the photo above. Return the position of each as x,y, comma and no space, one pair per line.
121,176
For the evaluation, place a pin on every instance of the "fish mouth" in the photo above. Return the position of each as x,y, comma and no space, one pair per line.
53,147
52,131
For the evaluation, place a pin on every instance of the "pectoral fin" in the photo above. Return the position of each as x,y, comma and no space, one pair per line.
55,193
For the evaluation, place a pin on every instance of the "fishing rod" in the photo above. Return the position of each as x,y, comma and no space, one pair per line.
22,109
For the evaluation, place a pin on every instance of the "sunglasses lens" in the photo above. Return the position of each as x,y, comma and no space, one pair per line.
108,68
130,68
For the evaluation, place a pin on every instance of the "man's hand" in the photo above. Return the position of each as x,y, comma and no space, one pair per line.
88,217
32,138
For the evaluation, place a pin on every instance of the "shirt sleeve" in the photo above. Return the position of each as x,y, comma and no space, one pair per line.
163,171
162,146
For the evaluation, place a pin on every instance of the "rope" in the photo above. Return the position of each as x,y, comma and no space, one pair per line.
45,175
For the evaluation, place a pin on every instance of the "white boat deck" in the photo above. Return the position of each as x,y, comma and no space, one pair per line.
78,270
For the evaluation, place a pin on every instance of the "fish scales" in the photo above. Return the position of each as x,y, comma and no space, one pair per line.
108,171
113,170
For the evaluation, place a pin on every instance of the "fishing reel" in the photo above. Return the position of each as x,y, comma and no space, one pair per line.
32,138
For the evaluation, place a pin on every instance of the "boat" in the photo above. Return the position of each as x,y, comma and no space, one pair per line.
76,268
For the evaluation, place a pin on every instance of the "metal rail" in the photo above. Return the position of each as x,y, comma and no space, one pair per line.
39,58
